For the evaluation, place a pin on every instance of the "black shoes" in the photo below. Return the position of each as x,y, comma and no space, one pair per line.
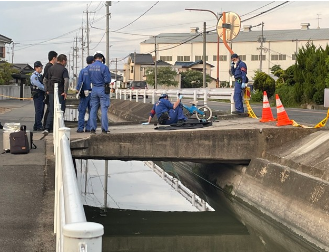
105,131
93,132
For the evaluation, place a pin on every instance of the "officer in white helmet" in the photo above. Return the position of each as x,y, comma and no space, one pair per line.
100,77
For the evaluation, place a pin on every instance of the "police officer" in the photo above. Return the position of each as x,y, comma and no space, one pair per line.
239,70
100,78
167,112
38,93
57,74
84,87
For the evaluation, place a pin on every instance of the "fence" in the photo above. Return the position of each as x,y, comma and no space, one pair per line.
73,232
195,200
194,93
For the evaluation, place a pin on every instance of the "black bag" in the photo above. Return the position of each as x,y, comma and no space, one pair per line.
247,80
19,143
107,88
32,145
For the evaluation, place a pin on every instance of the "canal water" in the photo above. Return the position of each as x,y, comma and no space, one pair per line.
172,206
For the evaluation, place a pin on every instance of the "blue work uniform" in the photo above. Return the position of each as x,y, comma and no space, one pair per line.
240,74
99,75
38,93
84,104
163,106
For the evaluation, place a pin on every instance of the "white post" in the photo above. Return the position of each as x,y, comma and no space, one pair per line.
144,95
153,96
136,92
130,94
176,184
116,93
232,103
125,95
86,236
205,96
86,174
194,95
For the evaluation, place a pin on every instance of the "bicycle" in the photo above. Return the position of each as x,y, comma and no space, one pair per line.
201,113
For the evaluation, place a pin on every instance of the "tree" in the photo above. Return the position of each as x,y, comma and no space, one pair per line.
193,79
6,70
165,76
264,82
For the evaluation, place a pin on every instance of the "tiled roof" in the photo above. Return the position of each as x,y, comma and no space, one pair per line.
5,40
145,59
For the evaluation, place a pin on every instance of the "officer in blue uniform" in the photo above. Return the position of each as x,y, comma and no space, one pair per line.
240,76
84,88
100,78
167,112
38,93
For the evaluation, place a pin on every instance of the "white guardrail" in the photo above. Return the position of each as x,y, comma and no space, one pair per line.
194,93
73,232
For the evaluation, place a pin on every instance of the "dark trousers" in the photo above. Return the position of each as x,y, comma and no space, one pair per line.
38,110
50,117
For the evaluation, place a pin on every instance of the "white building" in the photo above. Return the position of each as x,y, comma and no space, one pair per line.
279,48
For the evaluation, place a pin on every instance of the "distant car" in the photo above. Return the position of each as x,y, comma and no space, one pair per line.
137,85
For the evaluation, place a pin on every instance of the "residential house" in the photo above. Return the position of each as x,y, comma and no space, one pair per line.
3,41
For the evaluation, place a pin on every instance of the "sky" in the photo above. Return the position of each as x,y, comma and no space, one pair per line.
36,27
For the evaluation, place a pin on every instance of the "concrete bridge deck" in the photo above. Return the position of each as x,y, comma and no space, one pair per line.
235,140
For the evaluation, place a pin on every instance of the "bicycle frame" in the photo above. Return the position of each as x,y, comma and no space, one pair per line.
201,113
193,109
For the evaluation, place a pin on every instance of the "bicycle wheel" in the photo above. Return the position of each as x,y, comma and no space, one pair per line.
207,113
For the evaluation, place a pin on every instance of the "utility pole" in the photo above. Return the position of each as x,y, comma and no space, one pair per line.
12,53
134,65
76,57
155,64
261,48
318,20
88,27
204,54
107,52
82,48
116,69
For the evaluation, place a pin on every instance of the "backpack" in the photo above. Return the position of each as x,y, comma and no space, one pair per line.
247,80
19,143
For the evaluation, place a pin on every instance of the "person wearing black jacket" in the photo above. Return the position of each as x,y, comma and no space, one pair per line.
57,74
52,57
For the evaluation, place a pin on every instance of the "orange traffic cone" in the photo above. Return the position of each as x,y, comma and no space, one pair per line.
283,118
267,115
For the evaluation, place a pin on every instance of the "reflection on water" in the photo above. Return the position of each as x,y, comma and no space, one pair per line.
145,213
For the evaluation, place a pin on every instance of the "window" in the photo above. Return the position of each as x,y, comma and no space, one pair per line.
183,58
282,57
222,57
278,57
131,69
243,57
293,57
257,57
197,58
166,58
2,52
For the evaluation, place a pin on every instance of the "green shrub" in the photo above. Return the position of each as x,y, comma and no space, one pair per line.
286,94
257,96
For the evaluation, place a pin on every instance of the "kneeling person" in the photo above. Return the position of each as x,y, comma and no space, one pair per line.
167,112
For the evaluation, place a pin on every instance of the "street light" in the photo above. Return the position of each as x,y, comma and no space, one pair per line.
217,80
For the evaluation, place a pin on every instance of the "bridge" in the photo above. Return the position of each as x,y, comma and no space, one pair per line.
284,170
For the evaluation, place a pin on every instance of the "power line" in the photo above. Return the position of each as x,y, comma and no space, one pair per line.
265,11
138,17
257,9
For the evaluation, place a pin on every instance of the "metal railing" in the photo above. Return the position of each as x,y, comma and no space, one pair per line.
194,199
194,93
73,232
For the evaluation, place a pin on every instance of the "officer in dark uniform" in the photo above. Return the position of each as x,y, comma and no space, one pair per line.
240,76
38,93
100,78
57,74
84,87
52,59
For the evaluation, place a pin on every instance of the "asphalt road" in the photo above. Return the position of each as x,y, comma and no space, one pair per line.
308,117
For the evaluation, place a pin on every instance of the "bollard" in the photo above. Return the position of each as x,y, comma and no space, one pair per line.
79,236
